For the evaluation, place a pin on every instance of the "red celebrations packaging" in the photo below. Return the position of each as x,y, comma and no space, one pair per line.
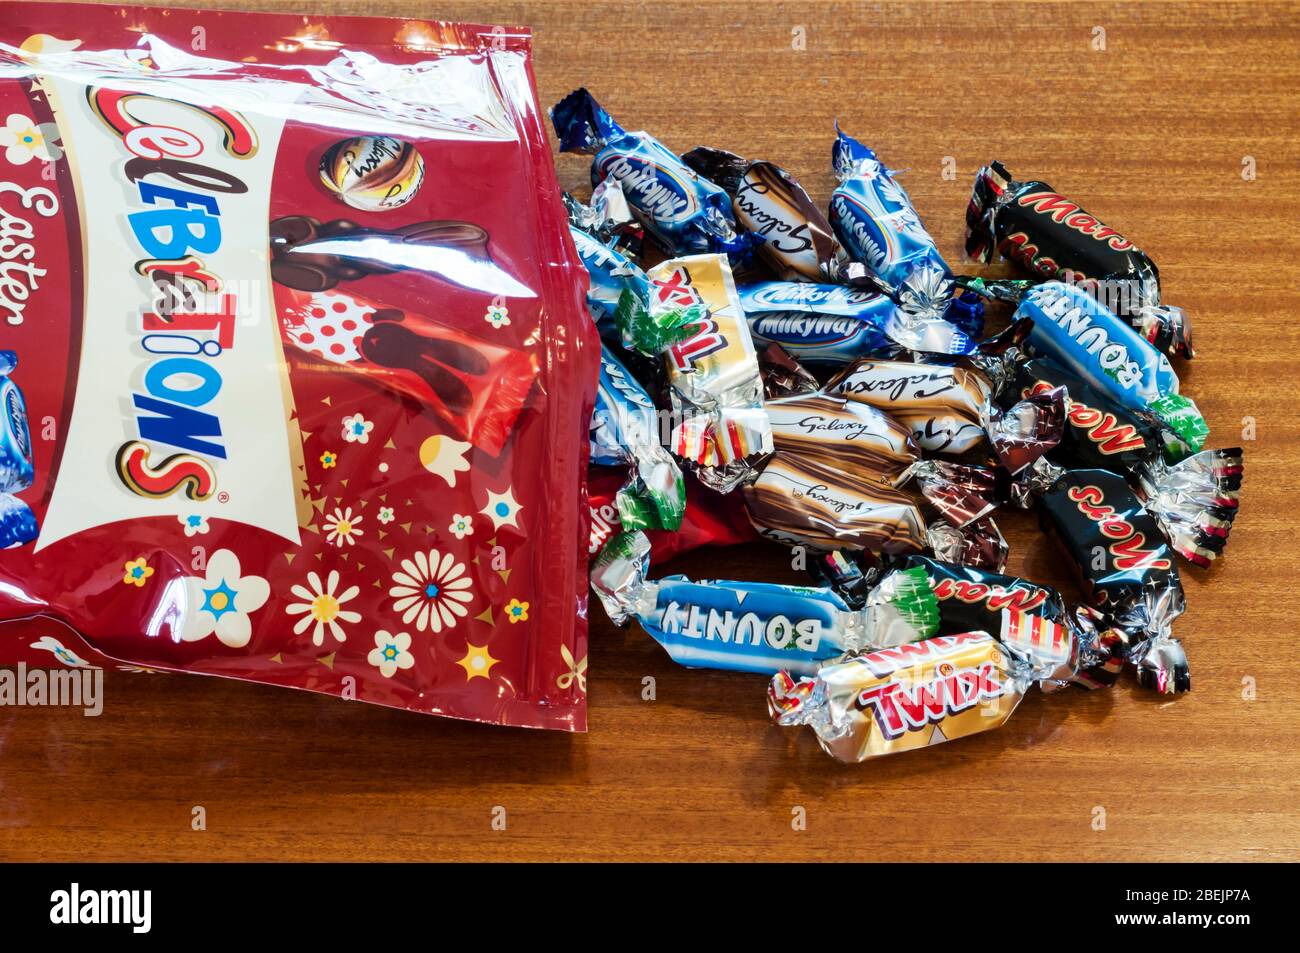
294,361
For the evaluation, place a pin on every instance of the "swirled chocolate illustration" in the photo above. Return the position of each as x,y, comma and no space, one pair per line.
310,255
372,173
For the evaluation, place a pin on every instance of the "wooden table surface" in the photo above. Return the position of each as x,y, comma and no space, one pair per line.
1153,132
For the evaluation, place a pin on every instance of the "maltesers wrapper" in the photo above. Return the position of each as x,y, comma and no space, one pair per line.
302,325
709,519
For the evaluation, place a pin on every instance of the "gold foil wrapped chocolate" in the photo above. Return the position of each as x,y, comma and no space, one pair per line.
944,406
372,173
927,692
904,697
716,387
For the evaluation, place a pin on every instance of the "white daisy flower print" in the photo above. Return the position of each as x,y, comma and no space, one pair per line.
461,526
24,140
221,601
323,604
341,527
390,653
497,315
195,525
431,591
356,429
386,515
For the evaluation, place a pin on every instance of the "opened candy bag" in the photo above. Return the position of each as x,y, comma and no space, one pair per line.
294,363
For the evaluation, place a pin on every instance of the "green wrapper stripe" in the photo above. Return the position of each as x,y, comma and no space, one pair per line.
635,512
640,507
653,334
1180,415
915,601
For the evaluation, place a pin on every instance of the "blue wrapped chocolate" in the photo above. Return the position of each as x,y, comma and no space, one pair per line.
836,324
755,626
818,324
17,523
1080,333
874,218
625,432
611,273
683,212
877,224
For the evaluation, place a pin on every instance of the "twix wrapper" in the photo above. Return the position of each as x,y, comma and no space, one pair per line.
717,391
921,693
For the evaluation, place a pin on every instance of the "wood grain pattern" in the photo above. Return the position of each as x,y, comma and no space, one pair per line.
1151,134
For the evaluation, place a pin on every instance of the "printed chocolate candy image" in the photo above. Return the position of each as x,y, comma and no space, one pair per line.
310,255
944,406
372,173
476,387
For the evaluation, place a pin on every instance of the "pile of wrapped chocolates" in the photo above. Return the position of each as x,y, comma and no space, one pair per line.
826,381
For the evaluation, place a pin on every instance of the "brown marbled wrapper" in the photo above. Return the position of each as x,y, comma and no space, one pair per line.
943,406
842,435
798,242
799,501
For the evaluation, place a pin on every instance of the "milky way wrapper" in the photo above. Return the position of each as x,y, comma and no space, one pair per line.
906,697
683,212
716,388
819,323
802,503
296,316
945,407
